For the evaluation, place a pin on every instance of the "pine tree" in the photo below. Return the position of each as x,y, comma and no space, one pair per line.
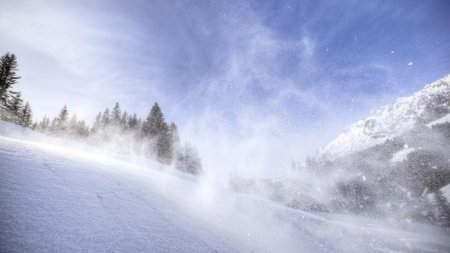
78,128
53,126
73,126
60,123
97,123
82,128
133,122
44,124
139,125
124,121
157,132
116,115
173,130
63,115
26,117
188,160
106,119
16,107
155,123
164,147
8,75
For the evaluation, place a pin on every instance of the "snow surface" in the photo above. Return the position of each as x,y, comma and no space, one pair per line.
442,120
402,155
387,122
65,199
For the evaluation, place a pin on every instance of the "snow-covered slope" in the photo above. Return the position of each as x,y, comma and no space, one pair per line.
392,120
442,120
61,199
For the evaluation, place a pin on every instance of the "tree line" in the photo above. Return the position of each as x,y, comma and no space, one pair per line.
114,130
12,107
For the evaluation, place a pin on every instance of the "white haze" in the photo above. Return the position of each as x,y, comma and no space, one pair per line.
89,57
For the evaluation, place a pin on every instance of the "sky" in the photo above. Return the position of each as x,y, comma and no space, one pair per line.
253,84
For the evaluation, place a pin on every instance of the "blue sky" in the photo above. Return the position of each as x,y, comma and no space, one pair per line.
252,83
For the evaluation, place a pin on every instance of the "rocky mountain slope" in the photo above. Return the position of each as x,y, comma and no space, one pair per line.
388,122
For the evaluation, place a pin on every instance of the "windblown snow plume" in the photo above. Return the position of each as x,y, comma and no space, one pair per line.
394,164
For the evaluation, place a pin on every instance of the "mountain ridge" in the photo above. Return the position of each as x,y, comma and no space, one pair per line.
387,122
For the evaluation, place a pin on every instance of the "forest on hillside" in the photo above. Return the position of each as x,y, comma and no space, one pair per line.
113,130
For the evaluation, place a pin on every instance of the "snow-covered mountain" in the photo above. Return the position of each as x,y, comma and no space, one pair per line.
423,107
394,163
56,198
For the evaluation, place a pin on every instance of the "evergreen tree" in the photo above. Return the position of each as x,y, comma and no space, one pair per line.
16,107
116,115
155,123
73,125
188,160
44,124
173,130
26,117
106,119
164,147
140,123
8,75
97,123
54,126
124,121
82,128
157,132
78,128
133,122
60,123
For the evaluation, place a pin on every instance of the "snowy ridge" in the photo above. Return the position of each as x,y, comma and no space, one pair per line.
391,120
